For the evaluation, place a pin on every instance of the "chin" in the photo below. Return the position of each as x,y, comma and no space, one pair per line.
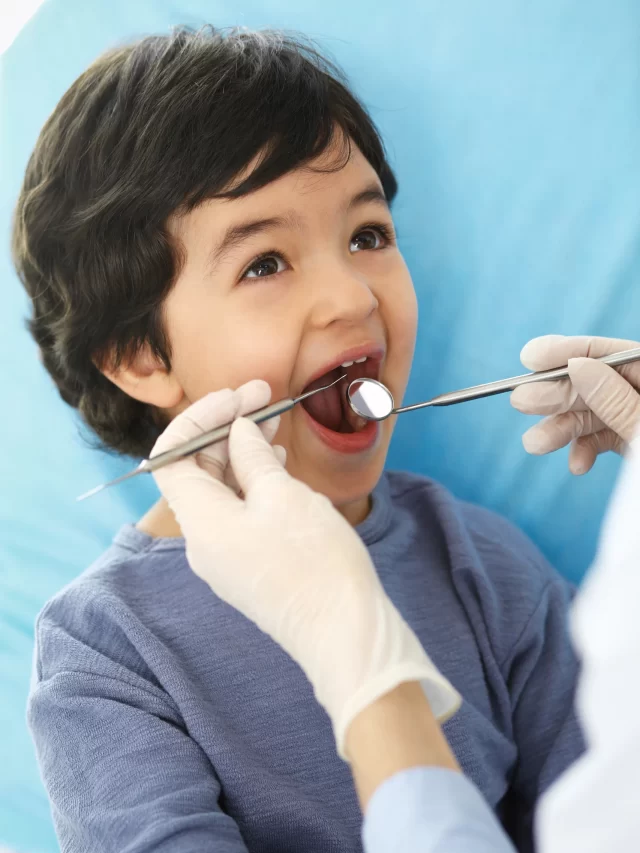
351,490
348,486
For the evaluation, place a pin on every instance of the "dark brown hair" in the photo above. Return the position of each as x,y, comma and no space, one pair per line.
149,129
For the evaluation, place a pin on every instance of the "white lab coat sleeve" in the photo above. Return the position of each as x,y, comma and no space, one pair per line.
595,806
431,810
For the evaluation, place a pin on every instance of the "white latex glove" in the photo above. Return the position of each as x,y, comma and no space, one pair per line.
286,559
597,410
227,405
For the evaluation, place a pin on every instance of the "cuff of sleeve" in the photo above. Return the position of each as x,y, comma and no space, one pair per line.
443,698
432,810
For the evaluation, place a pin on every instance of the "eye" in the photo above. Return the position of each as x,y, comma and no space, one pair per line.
265,266
371,237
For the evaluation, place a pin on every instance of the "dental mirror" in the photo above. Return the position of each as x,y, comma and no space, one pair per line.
373,401
370,399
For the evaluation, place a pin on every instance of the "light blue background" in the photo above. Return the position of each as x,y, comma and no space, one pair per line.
514,130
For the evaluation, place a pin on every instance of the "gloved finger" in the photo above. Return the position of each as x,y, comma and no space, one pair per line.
607,394
558,431
194,495
215,459
185,479
582,455
230,479
248,398
546,398
586,449
280,454
256,395
551,351
184,484
207,413
252,458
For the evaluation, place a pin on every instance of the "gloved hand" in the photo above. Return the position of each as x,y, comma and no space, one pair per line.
597,409
227,406
286,559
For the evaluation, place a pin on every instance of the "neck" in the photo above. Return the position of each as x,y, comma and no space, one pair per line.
356,512
160,522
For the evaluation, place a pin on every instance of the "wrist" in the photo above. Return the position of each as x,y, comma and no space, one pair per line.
396,732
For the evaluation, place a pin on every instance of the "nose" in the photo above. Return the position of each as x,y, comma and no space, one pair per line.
341,295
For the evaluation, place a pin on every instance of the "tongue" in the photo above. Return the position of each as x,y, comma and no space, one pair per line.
331,407
325,407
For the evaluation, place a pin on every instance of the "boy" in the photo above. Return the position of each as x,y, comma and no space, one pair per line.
201,210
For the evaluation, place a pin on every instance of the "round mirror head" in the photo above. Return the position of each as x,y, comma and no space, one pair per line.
370,399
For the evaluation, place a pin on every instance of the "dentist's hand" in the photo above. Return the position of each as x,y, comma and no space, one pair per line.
286,559
596,410
224,407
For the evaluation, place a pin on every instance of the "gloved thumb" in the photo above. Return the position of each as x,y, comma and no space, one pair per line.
252,458
609,396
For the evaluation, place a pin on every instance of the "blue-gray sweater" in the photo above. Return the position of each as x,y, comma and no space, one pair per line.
166,721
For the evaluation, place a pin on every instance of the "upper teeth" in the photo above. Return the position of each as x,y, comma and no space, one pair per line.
357,361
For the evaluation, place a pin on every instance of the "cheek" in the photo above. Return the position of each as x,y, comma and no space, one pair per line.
400,313
406,317
223,346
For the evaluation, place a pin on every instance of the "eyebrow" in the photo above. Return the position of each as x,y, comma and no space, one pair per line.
235,235
371,194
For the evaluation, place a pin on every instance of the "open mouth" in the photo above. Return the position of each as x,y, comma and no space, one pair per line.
331,408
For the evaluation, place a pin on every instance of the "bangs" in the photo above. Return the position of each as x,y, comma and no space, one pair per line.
211,104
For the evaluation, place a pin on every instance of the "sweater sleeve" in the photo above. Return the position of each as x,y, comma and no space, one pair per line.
121,771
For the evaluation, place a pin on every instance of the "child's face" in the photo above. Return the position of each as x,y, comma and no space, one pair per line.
285,284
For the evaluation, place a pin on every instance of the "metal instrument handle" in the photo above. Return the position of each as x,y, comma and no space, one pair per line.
213,436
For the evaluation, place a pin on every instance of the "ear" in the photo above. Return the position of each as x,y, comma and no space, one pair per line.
145,378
